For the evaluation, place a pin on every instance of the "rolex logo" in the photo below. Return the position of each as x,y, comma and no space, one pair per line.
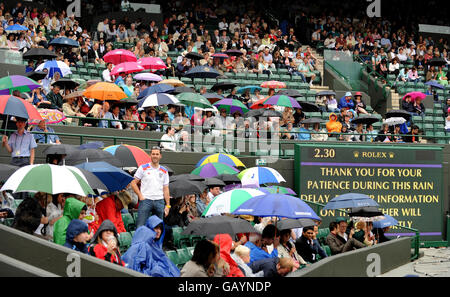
356,154
391,155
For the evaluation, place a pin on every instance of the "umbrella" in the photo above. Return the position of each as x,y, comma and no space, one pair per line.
434,84
282,100
193,99
260,104
47,178
294,223
267,113
105,91
179,90
66,83
386,222
194,56
398,113
148,77
39,53
118,56
158,88
173,82
221,158
114,178
218,225
214,182
54,66
231,106
158,99
223,86
365,120
290,93
437,62
152,63
313,121
213,97
60,149
202,72
251,89
17,107
229,201
214,169
277,205
50,116
11,83
36,75
309,107
64,41
6,171
183,187
365,212
394,121
234,52
129,101
280,190
415,95
130,155
229,178
127,68
350,200
94,182
326,93
220,55
256,176
92,145
16,27
273,84
91,155
186,176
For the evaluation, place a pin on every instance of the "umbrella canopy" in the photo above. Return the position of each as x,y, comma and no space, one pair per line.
64,41
365,120
173,82
158,88
114,178
350,200
229,201
218,225
294,223
213,97
17,107
434,84
127,68
92,145
39,53
118,56
179,90
223,86
221,158
193,99
273,84
94,182
130,155
220,55
386,222
251,89
276,205
66,83
92,155
290,93
60,149
194,56
11,83
148,77
229,178
105,91
396,113
47,178
260,104
183,187
231,106
437,62
6,171
268,113
234,52
214,182
16,27
309,106
280,190
186,176
158,99
214,169
54,66
257,176
394,121
202,72
326,93
415,95
367,213
50,116
36,75
152,63
313,121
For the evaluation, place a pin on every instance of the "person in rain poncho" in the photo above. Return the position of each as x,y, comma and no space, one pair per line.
77,236
225,242
73,209
146,255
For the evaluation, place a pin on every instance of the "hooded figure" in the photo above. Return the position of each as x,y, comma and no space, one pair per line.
225,242
110,209
145,254
346,101
72,211
75,228
100,247
333,125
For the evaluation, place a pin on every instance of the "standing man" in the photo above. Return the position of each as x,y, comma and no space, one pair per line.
154,196
106,74
21,145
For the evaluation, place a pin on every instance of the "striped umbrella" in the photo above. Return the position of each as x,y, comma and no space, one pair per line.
229,201
105,91
260,104
50,116
54,66
152,63
231,106
11,83
14,106
214,169
273,84
118,56
130,155
282,100
193,99
257,176
148,77
158,99
48,178
126,67
280,190
221,158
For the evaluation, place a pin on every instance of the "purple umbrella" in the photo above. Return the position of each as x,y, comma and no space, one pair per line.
214,169
148,77
231,106
9,84
282,100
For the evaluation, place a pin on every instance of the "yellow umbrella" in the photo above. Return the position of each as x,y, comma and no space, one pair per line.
173,82
105,91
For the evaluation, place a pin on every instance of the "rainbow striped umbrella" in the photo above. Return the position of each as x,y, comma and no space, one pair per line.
256,176
214,169
17,107
231,106
130,155
11,83
221,158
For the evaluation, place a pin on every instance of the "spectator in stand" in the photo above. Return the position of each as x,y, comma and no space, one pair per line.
77,236
205,262
73,209
419,108
403,75
286,249
384,135
370,133
258,246
106,74
50,138
275,267
225,243
338,240
413,75
105,244
169,140
360,106
333,125
346,102
110,209
394,67
55,98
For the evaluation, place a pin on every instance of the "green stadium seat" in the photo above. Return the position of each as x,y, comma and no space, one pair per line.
327,250
128,222
124,241
417,119
184,255
191,250
174,258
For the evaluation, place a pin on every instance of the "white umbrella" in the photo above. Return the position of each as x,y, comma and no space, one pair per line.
54,66
394,121
159,99
257,176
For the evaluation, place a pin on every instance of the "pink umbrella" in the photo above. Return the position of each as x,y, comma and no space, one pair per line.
152,63
415,95
127,67
148,77
118,56
273,84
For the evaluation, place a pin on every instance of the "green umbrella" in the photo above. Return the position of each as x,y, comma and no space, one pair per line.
282,100
23,84
214,169
193,99
231,106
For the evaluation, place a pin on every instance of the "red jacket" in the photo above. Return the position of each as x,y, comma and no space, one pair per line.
107,210
101,252
225,242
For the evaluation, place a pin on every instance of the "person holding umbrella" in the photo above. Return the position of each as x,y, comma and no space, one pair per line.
43,138
21,145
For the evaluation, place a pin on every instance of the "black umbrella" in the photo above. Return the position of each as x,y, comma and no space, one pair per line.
185,187
39,53
179,90
268,113
366,212
6,171
229,178
66,83
186,176
129,101
313,121
397,113
202,72
194,56
214,182
365,120
92,155
437,62
36,75
61,149
294,223
93,180
218,225
326,93
290,93
223,86
234,52
309,107
213,97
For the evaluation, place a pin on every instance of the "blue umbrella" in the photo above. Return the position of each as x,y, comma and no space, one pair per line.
276,205
158,88
92,145
386,222
252,89
435,84
202,72
64,41
115,179
54,66
16,27
350,200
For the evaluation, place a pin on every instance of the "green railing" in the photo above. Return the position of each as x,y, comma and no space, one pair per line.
372,72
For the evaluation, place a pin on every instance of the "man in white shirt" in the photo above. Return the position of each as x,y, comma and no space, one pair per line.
106,74
154,195
213,192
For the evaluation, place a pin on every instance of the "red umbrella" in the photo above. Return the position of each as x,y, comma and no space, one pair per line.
260,104
273,84
15,106
415,95
152,63
127,67
118,56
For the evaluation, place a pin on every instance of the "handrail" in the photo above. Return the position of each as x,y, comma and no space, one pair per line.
338,72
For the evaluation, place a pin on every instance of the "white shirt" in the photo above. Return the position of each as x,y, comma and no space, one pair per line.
169,145
152,180
106,74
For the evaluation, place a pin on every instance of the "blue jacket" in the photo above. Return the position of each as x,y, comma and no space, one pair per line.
343,103
145,255
75,228
257,253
